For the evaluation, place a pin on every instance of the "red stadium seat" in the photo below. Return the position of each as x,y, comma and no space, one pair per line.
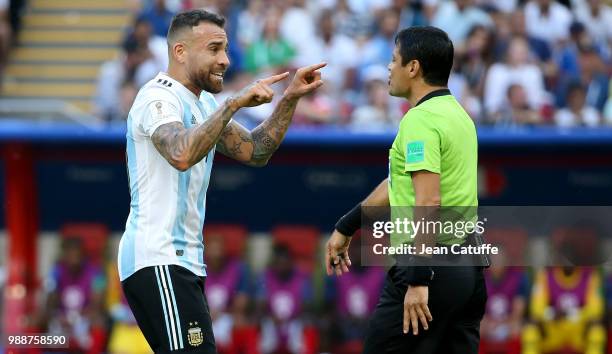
302,241
584,241
93,236
513,241
234,237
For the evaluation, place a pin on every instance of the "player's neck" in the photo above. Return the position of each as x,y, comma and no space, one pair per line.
180,76
419,91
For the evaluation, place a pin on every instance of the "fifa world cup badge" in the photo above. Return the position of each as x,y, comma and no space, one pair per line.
194,334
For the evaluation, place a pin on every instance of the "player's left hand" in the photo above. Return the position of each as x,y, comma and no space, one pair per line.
306,80
416,309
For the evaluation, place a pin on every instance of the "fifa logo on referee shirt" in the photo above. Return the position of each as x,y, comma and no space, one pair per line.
194,334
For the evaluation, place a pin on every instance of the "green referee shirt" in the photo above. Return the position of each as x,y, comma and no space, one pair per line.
436,135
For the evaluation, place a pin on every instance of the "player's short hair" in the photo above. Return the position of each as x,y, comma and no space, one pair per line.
190,19
433,50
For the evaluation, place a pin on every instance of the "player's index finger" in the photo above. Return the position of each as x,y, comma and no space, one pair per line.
315,66
276,78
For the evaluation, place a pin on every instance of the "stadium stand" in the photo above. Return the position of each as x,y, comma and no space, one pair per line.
60,48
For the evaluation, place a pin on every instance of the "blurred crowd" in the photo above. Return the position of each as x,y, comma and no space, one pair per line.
536,62
10,21
287,305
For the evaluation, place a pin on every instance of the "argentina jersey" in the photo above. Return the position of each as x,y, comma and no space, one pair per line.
167,206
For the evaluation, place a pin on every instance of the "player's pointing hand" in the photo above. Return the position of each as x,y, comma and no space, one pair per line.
257,93
306,80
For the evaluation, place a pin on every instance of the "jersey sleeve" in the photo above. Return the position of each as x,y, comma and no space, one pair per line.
161,108
420,140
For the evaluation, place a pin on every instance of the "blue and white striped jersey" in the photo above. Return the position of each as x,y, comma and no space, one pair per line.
167,206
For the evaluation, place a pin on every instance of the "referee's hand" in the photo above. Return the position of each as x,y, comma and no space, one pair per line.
336,254
416,309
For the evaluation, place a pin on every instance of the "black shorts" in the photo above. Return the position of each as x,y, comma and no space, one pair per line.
457,299
171,310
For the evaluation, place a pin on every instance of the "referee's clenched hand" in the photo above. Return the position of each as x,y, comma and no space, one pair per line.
336,254
416,309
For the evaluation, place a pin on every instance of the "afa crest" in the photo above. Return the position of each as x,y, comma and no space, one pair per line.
194,334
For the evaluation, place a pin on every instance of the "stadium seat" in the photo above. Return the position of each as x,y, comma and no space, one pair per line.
301,240
234,237
93,235
583,241
513,241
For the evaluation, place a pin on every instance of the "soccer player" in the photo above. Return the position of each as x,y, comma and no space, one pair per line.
174,128
432,163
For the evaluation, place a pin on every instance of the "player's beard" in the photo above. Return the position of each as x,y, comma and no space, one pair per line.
203,81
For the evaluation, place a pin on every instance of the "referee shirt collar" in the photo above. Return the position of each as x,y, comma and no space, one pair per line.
435,93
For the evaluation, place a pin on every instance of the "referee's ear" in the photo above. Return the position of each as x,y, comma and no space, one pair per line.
413,68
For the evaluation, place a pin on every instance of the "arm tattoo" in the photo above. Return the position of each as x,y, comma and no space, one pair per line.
255,148
183,148
269,134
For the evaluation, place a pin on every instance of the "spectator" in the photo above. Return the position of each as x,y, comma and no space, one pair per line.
271,50
474,57
516,110
283,297
508,291
135,66
315,109
457,18
591,74
350,23
142,34
577,113
567,303
296,16
159,17
597,17
515,70
378,49
516,27
547,20
5,33
75,299
380,112
339,52
250,23
227,290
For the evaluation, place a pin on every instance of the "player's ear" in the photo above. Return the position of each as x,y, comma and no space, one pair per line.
179,52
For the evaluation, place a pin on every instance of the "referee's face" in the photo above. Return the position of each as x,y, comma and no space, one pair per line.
399,76
207,58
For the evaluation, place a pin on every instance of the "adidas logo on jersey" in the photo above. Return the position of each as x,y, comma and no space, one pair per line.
193,119
164,82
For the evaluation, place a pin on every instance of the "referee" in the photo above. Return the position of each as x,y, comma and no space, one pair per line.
173,129
432,163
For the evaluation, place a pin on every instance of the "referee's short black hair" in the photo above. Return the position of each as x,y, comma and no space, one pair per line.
190,19
433,50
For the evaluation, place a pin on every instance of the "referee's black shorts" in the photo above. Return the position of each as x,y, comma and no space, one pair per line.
171,310
457,299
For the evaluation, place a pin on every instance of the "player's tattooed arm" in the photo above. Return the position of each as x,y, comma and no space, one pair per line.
257,146
183,147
